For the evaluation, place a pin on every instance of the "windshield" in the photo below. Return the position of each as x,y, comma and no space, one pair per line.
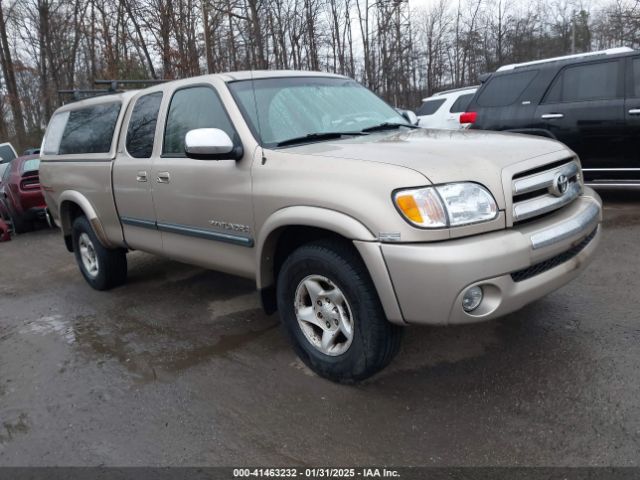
285,108
31,165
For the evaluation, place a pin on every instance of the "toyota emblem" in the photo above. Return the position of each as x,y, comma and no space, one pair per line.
560,185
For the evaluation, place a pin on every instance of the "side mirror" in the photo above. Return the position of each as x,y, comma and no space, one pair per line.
210,144
410,116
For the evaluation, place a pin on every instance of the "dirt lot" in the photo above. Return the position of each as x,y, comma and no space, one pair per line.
181,367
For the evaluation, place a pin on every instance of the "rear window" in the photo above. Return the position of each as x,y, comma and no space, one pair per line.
592,81
430,107
461,104
31,165
503,90
82,131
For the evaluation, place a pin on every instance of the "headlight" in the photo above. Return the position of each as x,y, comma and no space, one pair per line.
449,205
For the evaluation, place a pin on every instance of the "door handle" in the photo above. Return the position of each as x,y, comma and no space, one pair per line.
547,116
164,177
634,111
141,176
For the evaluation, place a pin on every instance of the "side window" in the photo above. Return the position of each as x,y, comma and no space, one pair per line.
142,125
636,77
89,130
503,90
461,103
591,81
191,108
430,107
6,154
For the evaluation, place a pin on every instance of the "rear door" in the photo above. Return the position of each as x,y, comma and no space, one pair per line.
584,108
132,180
630,154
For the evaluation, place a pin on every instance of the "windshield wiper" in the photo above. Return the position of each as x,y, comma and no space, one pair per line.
387,126
312,137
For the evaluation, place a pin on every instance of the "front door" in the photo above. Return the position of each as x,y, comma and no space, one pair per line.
132,181
204,208
583,108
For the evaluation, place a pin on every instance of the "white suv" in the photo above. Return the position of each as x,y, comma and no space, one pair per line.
443,109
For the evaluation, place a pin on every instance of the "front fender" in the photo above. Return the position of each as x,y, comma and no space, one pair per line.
323,218
330,220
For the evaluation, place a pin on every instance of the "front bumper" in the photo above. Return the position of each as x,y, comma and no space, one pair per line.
514,266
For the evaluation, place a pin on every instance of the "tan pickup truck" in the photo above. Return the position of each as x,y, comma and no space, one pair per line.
352,222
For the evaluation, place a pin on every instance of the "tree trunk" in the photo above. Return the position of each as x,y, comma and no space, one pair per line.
10,81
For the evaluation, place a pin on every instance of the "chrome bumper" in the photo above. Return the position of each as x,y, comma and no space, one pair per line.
584,221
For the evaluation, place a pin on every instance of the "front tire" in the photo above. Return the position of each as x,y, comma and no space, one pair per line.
101,267
332,313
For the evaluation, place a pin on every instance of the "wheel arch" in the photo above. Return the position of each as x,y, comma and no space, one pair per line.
73,204
289,228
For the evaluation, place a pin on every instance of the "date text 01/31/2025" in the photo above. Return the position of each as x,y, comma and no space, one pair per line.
315,473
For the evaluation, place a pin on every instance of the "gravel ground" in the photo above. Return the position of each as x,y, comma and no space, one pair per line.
181,367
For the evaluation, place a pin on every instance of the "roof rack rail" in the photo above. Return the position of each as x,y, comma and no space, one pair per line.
114,84
114,87
610,51
452,90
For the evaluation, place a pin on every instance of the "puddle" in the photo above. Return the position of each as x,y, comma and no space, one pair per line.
49,324
152,340
152,350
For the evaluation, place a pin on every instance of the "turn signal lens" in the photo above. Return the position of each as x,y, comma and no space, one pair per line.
410,208
422,206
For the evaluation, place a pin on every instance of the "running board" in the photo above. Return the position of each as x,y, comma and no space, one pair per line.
613,185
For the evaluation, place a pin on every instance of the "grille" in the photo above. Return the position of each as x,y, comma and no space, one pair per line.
545,189
552,262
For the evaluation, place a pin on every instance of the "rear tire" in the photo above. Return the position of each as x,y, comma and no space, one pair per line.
101,267
332,313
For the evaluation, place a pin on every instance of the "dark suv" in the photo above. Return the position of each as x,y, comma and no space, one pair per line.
590,102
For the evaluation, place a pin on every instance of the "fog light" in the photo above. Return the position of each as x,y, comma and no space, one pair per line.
472,298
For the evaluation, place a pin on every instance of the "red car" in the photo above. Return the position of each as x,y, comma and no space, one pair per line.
21,200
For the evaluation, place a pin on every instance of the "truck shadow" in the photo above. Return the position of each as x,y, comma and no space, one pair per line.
178,317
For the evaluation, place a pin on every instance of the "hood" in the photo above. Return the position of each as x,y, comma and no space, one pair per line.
441,155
